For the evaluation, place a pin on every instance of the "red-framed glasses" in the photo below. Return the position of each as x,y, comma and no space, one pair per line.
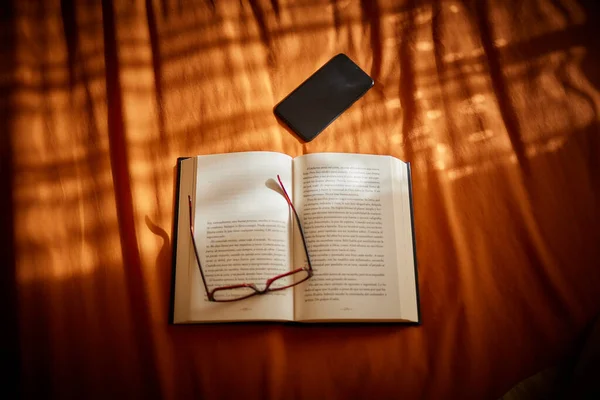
244,290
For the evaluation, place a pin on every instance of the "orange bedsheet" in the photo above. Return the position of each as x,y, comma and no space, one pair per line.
495,104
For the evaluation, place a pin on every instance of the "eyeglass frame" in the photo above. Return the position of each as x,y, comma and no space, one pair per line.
211,293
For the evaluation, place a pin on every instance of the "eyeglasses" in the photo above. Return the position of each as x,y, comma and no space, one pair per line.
244,290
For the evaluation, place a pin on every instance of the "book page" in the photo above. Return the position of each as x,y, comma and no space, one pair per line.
345,202
243,234
407,279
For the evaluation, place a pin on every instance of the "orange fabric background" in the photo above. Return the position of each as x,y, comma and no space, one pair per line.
495,104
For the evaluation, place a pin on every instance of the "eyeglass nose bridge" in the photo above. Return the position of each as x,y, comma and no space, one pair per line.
265,290
253,286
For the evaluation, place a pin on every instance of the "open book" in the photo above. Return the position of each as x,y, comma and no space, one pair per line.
356,213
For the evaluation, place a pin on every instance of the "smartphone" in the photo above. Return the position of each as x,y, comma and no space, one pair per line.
326,94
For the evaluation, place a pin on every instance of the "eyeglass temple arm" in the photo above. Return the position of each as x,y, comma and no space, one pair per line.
196,250
297,222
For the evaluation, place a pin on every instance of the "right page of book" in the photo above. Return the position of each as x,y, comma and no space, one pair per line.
352,210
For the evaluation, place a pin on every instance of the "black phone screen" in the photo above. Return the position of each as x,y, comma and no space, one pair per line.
319,100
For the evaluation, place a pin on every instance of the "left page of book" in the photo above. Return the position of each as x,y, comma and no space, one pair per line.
243,233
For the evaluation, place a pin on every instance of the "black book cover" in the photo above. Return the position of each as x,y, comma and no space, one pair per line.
414,241
174,240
